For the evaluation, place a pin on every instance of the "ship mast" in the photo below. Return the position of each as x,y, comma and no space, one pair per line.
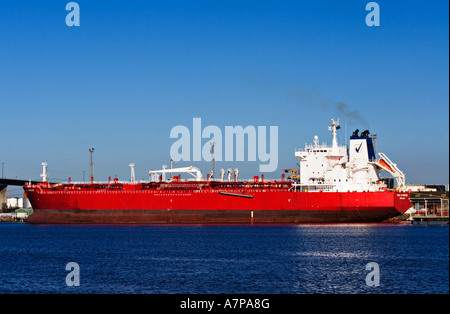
91,150
333,128
44,174
133,177
213,159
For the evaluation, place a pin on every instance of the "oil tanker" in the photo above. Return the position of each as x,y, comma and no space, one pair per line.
333,184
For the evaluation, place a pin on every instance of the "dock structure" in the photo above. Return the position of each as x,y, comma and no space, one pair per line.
428,218
18,215
429,207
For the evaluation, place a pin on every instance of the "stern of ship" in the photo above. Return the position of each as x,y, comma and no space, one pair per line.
402,201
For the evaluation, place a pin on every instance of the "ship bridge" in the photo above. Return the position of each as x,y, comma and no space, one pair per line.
342,168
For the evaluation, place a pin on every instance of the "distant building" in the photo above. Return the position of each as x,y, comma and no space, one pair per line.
18,202
425,187
23,213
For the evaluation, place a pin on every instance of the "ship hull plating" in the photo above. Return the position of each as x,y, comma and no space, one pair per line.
233,207
206,217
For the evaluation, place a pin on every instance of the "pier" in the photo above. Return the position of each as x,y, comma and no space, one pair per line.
429,207
428,218
18,215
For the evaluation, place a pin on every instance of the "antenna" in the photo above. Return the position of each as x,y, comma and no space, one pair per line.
91,150
229,172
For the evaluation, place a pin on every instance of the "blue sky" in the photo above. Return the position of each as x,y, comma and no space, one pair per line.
133,70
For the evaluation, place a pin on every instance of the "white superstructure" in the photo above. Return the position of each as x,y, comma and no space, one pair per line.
338,168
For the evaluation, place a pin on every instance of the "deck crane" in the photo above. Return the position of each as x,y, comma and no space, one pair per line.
195,172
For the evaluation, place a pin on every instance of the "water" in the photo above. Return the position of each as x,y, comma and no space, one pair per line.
206,259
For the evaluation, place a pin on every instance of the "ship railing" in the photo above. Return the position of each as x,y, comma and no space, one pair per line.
314,187
426,206
265,180
312,146
99,182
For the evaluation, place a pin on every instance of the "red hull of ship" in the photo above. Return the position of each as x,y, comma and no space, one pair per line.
265,206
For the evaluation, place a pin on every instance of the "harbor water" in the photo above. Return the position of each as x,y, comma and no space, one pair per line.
208,259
